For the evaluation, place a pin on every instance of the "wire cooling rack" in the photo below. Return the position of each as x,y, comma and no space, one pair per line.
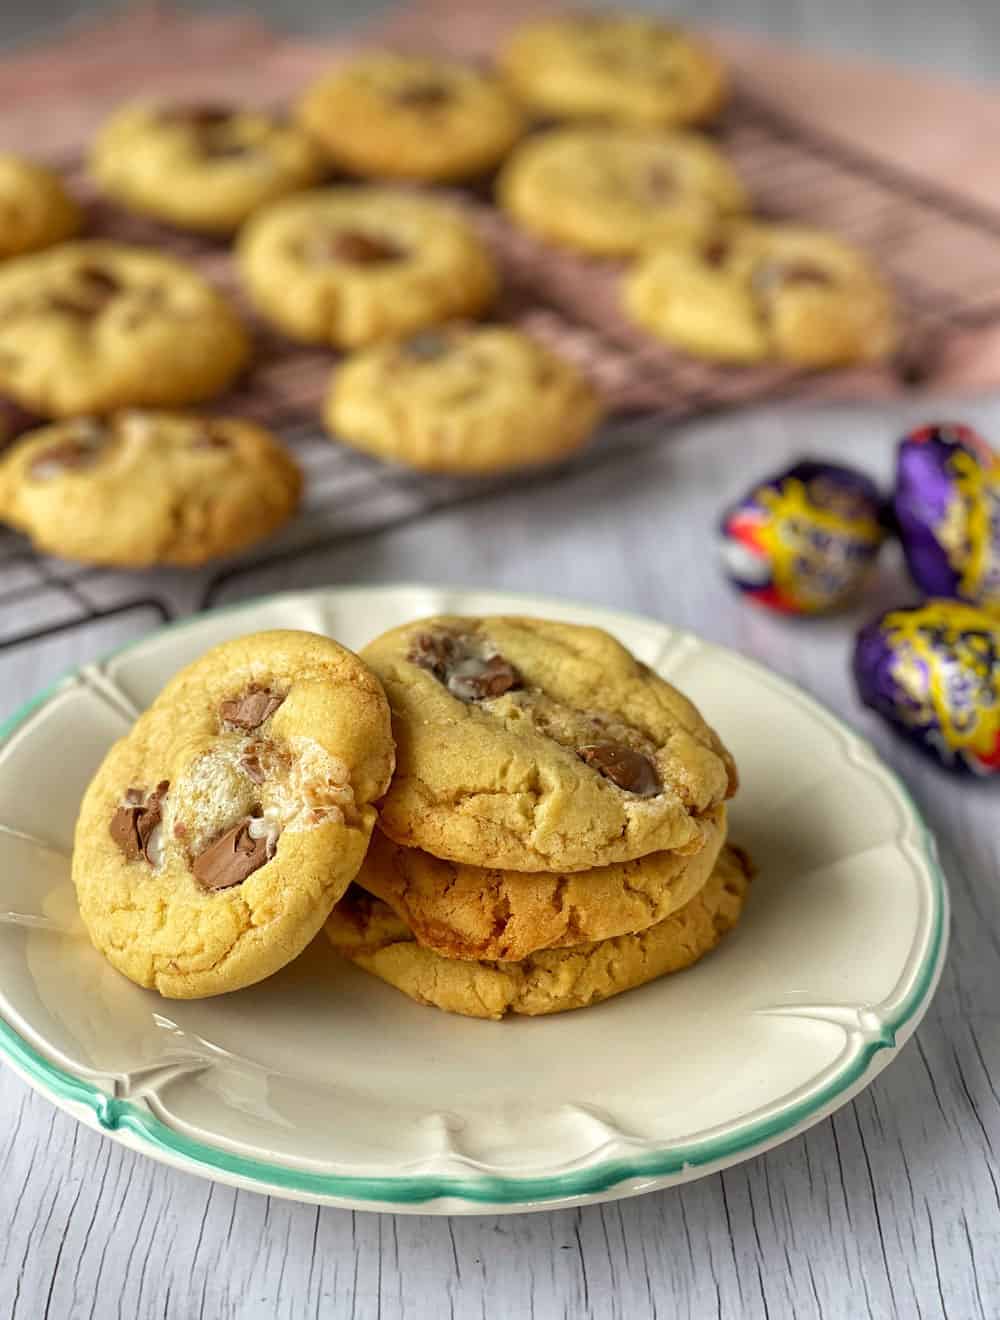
941,252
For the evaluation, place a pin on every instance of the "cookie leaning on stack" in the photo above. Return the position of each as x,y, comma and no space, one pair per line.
219,832
553,831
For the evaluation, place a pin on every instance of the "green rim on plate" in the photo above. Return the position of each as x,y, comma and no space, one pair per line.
116,1115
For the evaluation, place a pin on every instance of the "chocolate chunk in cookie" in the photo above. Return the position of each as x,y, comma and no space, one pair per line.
716,252
423,95
135,821
476,679
630,771
362,249
93,288
251,709
252,765
232,857
467,666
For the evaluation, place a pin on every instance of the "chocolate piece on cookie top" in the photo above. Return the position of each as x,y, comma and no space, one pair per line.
627,769
92,288
426,95
469,667
251,709
234,856
136,820
363,249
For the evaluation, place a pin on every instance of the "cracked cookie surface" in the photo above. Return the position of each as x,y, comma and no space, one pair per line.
348,266
612,190
753,292
139,488
462,399
218,833
628,67
90,326
470,912
400,116
201,166
366,931
35,209
537,746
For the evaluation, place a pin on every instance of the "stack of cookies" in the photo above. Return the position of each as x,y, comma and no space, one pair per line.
555,832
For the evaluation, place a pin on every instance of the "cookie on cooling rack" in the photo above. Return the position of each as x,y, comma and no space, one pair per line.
35,209
396,116
219,832
140,488
201,166
612,190
754,292
88,327
465,399
628,67
346,266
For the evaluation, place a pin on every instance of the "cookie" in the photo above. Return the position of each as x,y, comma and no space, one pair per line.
405,117
627,67
534,746
35,209
754,292
141,488
611,190
464,399
89,327
347,266
201,166
367,932
219,832
505,916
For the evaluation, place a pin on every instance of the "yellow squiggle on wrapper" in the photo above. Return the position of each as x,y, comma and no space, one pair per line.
968,528
960,697
799,568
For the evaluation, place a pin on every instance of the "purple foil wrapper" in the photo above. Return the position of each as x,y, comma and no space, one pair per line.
947,511
802,541
933,672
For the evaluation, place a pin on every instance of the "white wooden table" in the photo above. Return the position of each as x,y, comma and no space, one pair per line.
890,1209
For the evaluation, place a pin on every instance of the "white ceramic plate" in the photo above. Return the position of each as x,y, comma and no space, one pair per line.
324,1084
